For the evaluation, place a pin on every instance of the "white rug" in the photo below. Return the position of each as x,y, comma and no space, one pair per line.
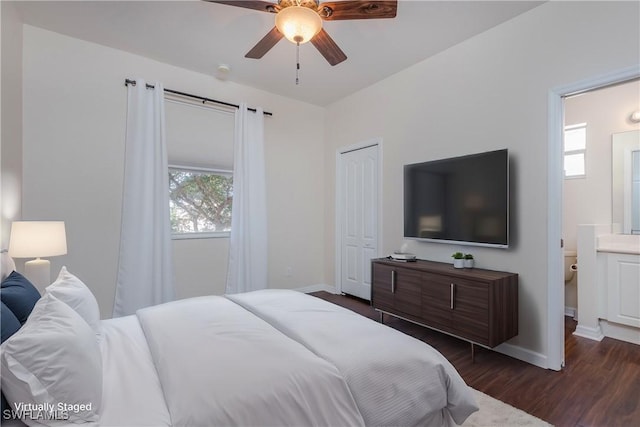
494,413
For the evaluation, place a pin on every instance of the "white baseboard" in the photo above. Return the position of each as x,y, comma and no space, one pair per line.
620,332
523,354
588,332
570,311
317,288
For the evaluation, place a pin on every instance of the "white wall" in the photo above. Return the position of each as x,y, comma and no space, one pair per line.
3,227
487,93
588,200
74,117
11,118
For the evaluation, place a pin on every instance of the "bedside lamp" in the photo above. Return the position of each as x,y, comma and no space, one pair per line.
35,239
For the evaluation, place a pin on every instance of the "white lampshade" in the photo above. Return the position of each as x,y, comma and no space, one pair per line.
35,239
298,23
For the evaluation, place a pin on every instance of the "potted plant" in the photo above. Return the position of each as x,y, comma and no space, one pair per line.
468,261
458,259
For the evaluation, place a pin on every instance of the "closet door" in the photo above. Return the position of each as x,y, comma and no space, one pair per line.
358,181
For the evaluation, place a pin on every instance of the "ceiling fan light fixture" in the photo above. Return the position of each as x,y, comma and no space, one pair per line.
298,23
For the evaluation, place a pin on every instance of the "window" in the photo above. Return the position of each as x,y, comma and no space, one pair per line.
200,201
200,150
575,147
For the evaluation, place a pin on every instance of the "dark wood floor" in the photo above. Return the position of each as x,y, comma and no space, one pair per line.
599,387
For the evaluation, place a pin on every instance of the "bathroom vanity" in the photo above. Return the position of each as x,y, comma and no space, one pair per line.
609,284
618,260
609,254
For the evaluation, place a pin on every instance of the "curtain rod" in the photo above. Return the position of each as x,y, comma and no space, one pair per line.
201,98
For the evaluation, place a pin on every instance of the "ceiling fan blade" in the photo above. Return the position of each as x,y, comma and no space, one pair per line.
265,44
354,9
263,6
328,48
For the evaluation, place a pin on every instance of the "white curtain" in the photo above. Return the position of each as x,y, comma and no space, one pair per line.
248,244
145,271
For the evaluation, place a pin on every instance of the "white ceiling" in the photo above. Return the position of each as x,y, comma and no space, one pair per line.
199,36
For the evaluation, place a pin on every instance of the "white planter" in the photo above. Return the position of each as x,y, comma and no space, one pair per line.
468,263
458,263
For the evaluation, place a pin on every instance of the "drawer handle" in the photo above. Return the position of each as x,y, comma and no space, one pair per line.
393,281
452,287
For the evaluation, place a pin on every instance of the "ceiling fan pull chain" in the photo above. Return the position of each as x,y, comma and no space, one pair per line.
297,62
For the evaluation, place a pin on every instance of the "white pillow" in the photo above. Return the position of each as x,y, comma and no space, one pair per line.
54,359
70,290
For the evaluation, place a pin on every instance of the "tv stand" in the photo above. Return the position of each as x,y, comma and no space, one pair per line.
477,305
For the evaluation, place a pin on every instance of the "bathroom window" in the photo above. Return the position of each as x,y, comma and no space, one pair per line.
575,148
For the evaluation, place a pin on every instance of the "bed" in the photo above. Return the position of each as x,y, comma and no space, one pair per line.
263,358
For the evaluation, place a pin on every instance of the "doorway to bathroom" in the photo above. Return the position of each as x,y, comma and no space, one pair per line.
587,114
591,121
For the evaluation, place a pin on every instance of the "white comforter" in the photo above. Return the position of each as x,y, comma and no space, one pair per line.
131,391
271,358
220,366
395,379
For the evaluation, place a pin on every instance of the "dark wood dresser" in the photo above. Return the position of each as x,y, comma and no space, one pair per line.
480,306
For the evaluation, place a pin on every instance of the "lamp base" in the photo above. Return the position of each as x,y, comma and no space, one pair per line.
38,271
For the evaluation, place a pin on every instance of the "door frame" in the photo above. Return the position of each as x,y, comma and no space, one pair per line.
373,142
555,156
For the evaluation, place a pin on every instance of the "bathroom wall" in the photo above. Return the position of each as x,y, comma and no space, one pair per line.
588,200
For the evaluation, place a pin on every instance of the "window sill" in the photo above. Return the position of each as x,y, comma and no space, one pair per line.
210,235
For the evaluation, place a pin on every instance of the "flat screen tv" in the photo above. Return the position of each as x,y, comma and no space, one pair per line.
461,200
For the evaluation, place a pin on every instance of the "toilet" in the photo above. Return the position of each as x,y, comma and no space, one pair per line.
570,265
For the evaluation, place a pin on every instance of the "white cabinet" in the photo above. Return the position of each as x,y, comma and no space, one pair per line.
623,283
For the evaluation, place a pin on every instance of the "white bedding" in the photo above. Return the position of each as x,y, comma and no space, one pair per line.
271,358
219,365
395,379
131,391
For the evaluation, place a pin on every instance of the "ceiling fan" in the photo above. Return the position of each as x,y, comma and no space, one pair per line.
300,21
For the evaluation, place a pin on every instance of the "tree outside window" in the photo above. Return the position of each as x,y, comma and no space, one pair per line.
200,201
